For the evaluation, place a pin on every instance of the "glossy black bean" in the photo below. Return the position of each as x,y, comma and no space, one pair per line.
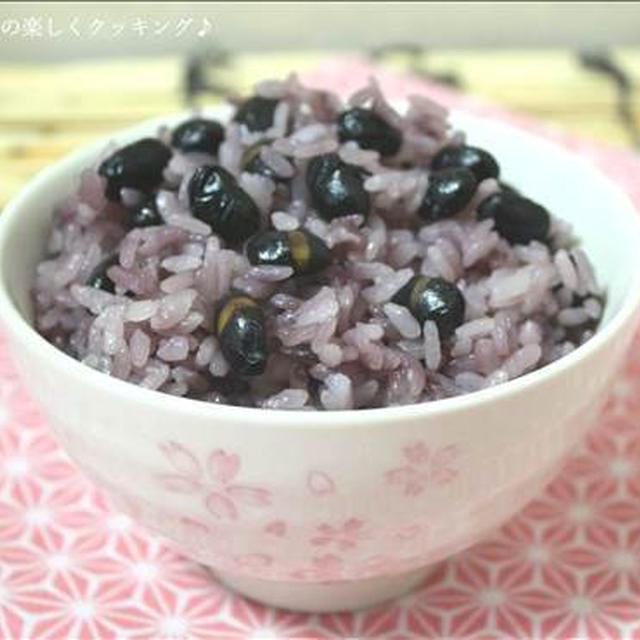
137,166
99,278
256,113
449,191
305,252
480,162
516,218
369,130
336,189
144,215
198,134
240,328
269,247
216,198
433,299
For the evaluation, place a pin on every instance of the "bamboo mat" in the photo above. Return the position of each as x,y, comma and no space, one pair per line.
48,110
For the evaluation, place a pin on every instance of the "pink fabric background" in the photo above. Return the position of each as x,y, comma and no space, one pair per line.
566,566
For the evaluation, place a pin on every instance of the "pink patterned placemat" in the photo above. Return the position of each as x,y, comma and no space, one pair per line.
568,565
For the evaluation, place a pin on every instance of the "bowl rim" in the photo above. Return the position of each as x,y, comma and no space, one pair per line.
309,419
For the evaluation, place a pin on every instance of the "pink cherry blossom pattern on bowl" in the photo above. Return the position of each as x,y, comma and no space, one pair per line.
213,480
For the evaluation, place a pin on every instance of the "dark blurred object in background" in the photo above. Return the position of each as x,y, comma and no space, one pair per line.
603,62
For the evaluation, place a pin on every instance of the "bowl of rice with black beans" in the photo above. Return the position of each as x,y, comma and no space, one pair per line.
310,253
199,303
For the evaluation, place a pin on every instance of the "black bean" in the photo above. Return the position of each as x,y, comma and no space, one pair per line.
516,218
144,215
198,134
336,188
310,253
269,247
449,191
480,162
300,249
369,130
216,198
433,299
256,113
240,328
137,166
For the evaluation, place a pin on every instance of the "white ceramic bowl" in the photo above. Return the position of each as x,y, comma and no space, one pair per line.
333,510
